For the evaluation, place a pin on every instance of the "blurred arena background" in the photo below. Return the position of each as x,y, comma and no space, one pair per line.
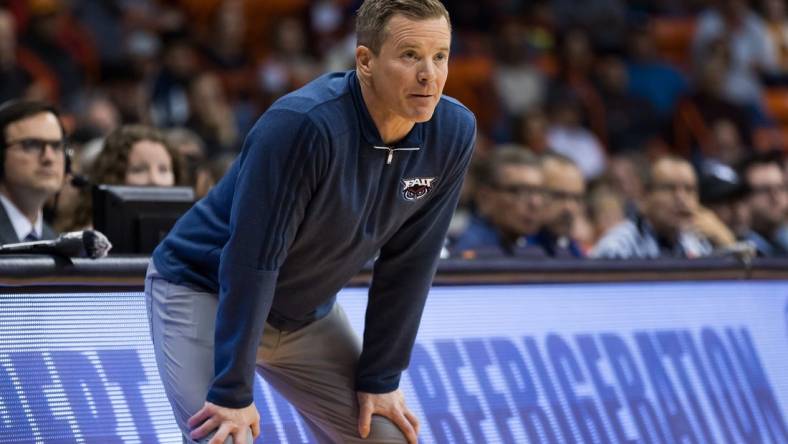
616,270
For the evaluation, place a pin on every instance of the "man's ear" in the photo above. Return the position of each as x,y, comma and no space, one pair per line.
364,61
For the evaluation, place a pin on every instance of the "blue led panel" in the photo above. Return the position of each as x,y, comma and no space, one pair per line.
643,362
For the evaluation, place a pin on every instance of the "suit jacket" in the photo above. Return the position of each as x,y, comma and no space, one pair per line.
8,234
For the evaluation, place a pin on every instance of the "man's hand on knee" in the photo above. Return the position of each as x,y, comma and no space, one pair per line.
392,406
226,422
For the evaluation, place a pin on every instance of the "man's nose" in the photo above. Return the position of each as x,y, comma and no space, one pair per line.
49,153
684,204
426,71
571,206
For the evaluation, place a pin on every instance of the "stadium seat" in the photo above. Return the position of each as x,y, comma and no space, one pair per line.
776,102
673,37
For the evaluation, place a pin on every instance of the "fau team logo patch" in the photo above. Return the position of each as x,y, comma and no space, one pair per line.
417,187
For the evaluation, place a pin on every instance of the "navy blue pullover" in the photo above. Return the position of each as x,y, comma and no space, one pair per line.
314,195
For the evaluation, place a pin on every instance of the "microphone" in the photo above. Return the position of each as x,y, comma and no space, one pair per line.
87,243
744,251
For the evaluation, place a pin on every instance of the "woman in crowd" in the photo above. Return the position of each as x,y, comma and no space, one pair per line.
132,155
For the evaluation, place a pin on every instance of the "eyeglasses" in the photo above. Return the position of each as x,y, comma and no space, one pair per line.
566,196
674,187
768,189
520,191
36,147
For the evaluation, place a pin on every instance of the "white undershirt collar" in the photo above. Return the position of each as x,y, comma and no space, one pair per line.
21,224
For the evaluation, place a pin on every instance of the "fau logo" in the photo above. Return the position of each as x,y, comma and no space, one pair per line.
417,187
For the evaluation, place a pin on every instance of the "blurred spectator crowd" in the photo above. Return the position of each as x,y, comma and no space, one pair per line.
607,128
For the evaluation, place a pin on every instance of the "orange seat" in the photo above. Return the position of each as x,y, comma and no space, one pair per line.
785,138
770,138
673,37
261,16
776,103
471,82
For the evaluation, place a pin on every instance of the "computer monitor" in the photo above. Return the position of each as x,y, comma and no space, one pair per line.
136,218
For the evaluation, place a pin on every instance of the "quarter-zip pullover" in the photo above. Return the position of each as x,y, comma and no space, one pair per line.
307,203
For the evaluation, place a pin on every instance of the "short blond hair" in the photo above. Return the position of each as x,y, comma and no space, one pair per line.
373,16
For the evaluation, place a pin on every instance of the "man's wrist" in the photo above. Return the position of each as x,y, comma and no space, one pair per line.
377,386
218,397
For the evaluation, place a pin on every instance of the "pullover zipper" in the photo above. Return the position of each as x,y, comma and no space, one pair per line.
391,150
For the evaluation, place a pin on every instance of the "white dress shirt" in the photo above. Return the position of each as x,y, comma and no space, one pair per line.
20,222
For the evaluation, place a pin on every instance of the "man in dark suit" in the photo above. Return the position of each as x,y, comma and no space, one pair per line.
32,168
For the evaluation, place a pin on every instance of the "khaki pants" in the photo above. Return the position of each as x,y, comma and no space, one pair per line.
312,367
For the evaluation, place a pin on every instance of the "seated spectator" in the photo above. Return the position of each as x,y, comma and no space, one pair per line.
290,64
605,18
606,207
96,116
708,125
567,135
707,224
211,115
650,77
56,39
33,155
210,172
775,19
128,90
519,83
745,37
563,208
631,122
785,169
767,201
573,79
132,155
191,151
625,173
665,226
22,74
509,198
531,130
723,192
169,96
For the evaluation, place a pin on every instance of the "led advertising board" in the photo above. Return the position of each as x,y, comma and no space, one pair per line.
690,362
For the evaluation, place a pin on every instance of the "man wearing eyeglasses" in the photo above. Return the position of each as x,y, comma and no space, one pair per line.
33,160
767,202
509,199
565,190
666,225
